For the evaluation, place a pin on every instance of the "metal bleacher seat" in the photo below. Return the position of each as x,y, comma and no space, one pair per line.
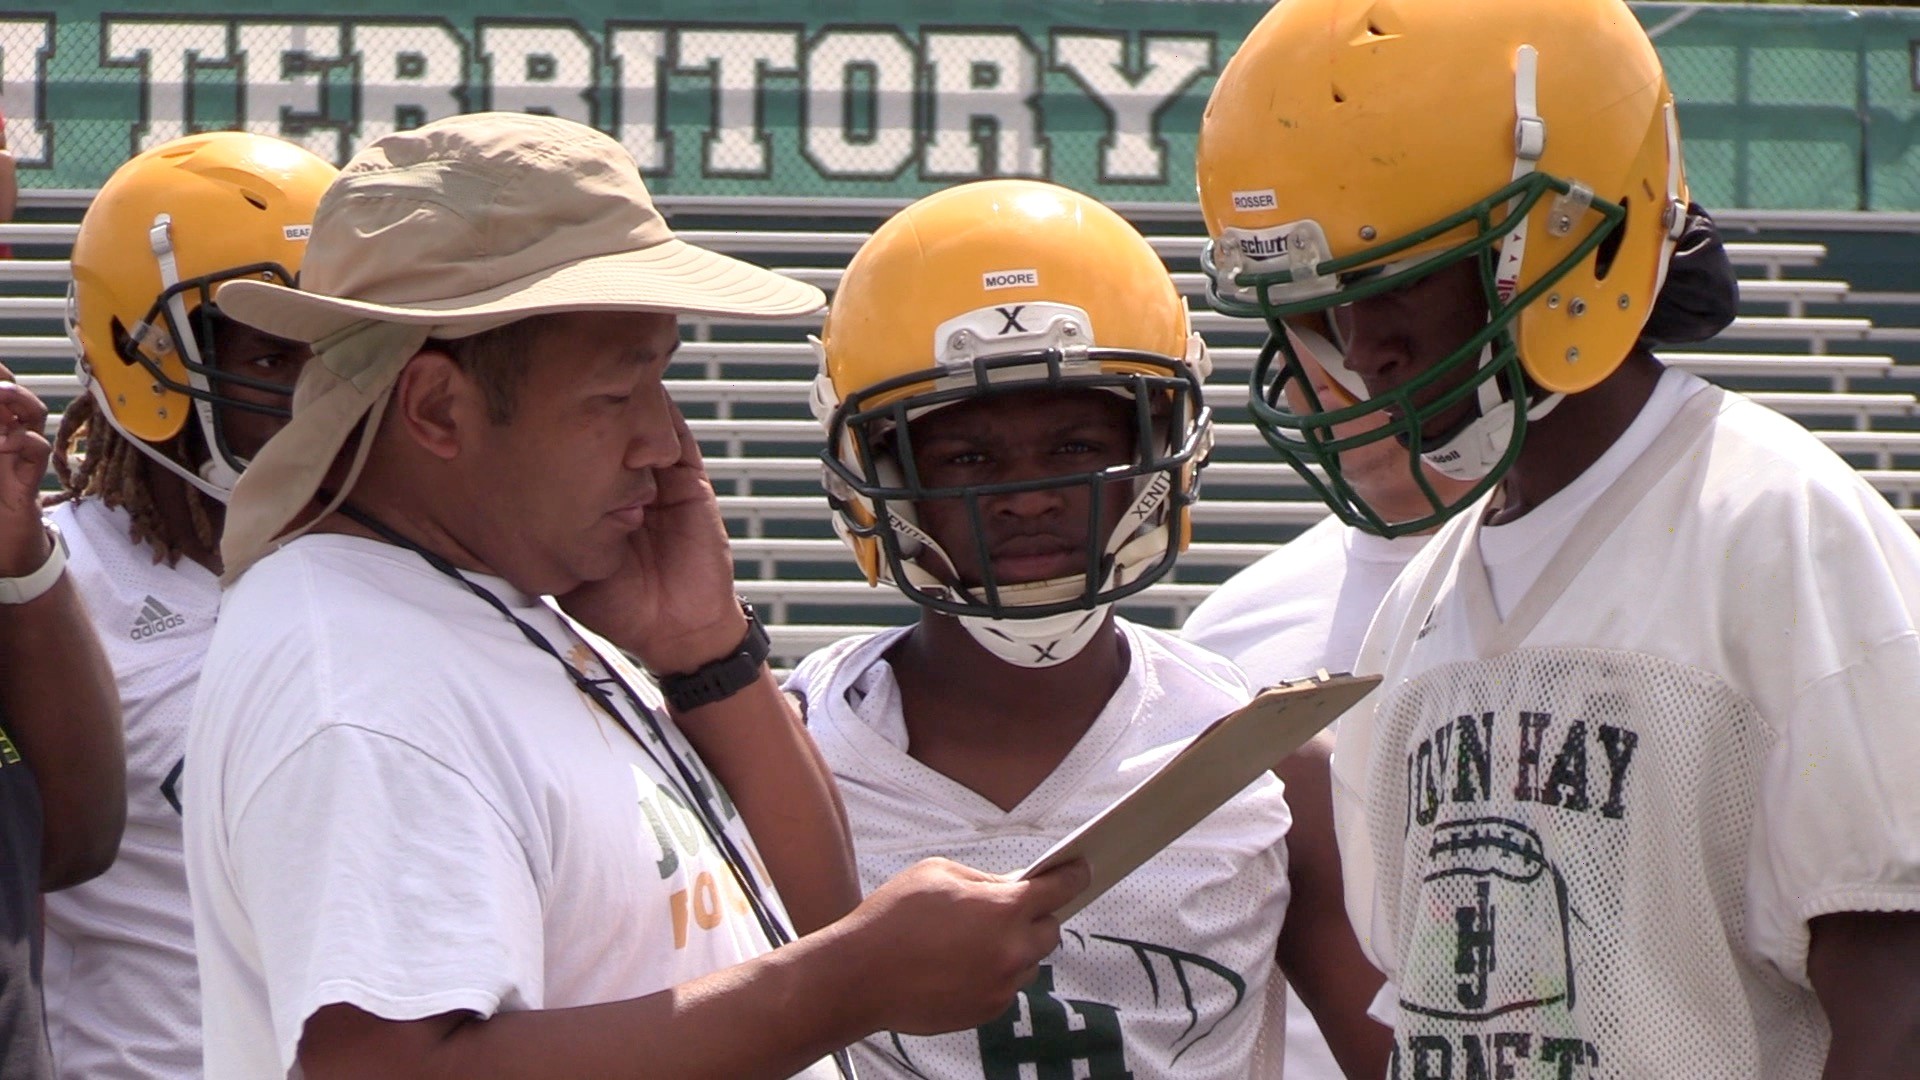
745,389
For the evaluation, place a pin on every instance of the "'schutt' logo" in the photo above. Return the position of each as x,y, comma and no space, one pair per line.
1263,247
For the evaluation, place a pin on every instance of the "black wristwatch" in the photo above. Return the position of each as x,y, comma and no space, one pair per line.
718,680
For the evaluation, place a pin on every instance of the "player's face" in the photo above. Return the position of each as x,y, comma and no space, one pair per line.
1375,468
242,351
568,479
1007,438
1396,336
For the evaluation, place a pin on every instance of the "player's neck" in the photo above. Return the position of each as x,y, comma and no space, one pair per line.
1569,440
992,726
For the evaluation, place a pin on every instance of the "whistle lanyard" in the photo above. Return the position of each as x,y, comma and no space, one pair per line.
697,795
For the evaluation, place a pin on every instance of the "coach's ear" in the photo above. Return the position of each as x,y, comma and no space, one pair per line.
433,400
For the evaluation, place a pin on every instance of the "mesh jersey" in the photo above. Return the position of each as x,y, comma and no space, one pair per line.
1166,975
123,993
1586,841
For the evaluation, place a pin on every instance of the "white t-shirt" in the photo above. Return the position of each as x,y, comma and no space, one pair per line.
1166,975
400,804
123,994
1301,608
1517,552
1591,835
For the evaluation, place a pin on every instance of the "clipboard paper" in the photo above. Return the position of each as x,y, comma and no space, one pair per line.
1218,764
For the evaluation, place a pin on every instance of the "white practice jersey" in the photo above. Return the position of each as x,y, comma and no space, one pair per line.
1302,608
1168,974
1586,840
123,993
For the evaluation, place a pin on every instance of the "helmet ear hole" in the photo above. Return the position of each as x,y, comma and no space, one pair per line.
1610,246
122,341
259,203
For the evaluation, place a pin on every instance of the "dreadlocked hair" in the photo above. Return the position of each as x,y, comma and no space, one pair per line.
93,460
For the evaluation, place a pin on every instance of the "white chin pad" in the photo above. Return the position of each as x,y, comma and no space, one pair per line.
221,475
1037,643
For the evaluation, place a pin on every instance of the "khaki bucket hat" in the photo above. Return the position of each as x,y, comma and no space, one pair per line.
445,231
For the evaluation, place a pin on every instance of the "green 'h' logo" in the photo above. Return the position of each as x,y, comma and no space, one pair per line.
1053,1047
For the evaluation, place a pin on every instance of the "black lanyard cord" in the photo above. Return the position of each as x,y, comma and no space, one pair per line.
697,793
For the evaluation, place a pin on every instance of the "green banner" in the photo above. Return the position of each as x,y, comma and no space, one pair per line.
1782,107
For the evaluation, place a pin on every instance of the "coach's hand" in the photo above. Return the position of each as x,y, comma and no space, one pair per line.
942,947
672,604
24,454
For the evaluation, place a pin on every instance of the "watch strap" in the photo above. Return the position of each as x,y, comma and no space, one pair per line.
720,679
23,590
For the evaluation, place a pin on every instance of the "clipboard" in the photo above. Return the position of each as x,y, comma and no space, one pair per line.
1218,764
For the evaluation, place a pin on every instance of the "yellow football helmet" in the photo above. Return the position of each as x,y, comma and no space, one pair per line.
1352,147
164,230
991,288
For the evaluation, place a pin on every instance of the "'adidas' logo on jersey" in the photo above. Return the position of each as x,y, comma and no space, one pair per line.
155,619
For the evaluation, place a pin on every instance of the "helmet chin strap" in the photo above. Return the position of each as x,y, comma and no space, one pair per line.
1475,447
1038,643
216,481
217,476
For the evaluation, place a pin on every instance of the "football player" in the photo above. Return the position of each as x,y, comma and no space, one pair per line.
1305,606
177,398
1013,404
1631,800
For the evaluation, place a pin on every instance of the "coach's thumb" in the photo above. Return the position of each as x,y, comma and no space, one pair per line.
1053,890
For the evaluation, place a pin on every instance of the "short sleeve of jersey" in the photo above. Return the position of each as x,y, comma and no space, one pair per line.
379,877
1839,813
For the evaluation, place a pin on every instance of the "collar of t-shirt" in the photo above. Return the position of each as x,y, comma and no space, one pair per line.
523,605
1517,552
1387,551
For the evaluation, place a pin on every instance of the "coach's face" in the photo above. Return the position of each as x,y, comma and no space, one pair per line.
569,476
